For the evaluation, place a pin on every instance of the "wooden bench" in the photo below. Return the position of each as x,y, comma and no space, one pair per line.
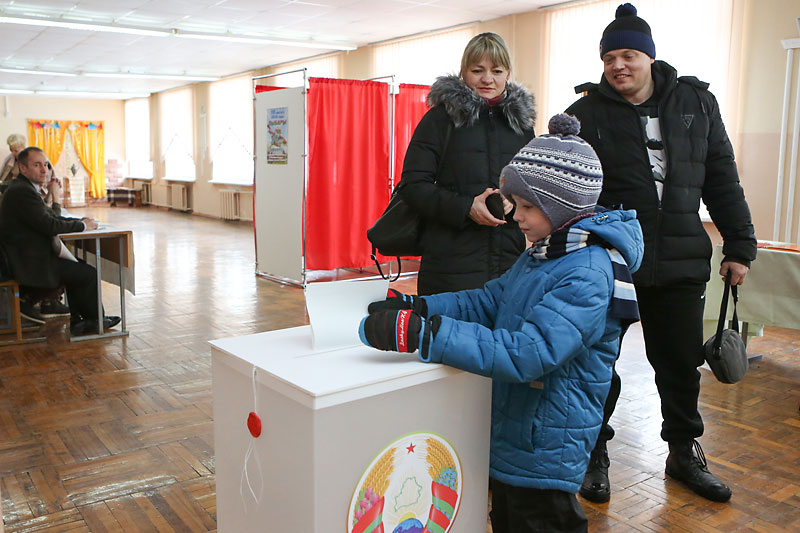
132,197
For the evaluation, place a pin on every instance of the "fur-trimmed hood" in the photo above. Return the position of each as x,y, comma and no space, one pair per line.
463,105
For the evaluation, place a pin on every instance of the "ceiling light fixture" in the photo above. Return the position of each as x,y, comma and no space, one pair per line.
39,72
225,37
232,38
89,94
130,75
31,21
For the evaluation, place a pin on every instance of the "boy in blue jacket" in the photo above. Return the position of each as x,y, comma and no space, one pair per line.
547,331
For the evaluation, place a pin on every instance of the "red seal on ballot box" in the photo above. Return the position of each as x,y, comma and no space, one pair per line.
254,424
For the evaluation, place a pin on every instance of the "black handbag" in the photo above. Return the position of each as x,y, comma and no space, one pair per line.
725,351
397,231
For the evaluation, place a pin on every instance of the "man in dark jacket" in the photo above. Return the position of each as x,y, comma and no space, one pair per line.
27,228
663,148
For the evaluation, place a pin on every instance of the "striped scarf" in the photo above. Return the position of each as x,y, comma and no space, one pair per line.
569,239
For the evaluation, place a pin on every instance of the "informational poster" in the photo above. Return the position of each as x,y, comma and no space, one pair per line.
277,133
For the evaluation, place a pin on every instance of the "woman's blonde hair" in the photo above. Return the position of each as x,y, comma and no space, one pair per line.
483,45
15,139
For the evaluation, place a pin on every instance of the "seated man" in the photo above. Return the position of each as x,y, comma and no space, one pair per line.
27,228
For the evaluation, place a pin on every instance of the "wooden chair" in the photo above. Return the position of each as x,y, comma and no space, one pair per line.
10,318
14,323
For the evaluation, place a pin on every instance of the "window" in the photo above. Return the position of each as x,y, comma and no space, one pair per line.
231,130
422,59
328,66
686,43
137,138
177,134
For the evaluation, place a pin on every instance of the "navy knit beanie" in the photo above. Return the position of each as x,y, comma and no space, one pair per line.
627,31
559,173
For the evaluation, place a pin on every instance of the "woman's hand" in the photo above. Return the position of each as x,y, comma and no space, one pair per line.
480,213
54,188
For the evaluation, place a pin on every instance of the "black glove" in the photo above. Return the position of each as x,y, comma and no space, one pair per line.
396,301
398,331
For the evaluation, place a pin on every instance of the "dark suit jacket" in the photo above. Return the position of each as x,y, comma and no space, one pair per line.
27,228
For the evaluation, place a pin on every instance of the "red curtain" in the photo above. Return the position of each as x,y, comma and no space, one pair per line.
409,107
348,169
267,88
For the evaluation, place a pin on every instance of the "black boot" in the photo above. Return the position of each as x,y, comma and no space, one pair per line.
689,466
595,486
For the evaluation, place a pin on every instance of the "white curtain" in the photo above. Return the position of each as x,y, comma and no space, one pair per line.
422,59
694,36
177,134
231,130
137,138
328,66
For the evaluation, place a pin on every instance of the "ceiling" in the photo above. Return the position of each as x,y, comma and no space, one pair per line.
327,25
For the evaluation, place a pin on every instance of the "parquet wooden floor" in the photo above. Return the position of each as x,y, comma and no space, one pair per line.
116,435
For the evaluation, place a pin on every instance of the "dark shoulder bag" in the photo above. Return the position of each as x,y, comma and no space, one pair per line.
396,232
725,351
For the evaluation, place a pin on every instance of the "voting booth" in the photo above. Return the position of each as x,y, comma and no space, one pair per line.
326,157
313,437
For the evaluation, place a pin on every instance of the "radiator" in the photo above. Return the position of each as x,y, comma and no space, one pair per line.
160,195
178,197
147,193
229,204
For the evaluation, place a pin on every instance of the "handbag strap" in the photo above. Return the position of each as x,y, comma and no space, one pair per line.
441,157
374,257
446,146
732,289
374,254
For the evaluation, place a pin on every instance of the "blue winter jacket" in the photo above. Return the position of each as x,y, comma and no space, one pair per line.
543,333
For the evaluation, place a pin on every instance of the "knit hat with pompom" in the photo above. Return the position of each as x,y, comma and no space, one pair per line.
559,173
627,31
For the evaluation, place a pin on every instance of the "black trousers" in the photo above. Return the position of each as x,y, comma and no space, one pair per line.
523,510
672,323
80,281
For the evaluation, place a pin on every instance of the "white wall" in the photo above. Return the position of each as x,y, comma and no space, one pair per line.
16,110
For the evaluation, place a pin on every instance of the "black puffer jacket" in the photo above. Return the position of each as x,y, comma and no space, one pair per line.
700,165
458,253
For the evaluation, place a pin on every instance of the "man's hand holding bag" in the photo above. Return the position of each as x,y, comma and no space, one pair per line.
725,351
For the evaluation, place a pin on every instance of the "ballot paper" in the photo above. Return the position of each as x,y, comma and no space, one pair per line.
335,309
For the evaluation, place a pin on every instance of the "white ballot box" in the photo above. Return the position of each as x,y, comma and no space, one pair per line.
353,440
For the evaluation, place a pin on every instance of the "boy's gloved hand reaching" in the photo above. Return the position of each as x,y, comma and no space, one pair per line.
395,331
396,300
398,331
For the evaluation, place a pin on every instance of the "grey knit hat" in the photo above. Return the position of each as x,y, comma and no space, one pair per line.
559,173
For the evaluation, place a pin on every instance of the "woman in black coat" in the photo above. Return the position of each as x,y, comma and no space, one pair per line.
477,123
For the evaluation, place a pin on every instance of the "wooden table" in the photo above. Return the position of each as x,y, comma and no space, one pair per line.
110,251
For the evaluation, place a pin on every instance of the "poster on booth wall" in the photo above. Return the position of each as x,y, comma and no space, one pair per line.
413,486
277,133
